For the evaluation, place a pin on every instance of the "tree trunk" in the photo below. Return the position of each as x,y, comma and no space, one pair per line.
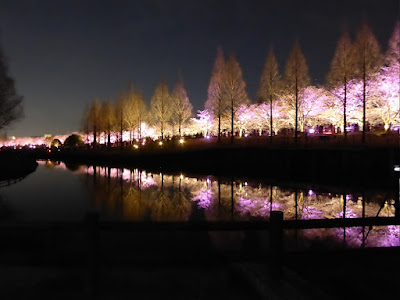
297,110
232,116
270,119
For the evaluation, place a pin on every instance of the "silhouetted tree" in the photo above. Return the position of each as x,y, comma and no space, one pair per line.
94,119
107,119
296,77
73,140
10,101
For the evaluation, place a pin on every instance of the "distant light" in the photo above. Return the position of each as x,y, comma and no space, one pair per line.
181,141
160,143
135,146
396,168
310,192
246,135
311,130
245,183
207,137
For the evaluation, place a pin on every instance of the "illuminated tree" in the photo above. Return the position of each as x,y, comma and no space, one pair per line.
341,71
216,103
128,107
392,55
234,89
181,107
120,119
296,79
270,85
384,95
107,119
94,119
134,111
10,102
161,106
204,122
368,60
310,105
333,112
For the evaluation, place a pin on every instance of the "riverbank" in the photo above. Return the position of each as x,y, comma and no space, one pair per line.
16,165
338,165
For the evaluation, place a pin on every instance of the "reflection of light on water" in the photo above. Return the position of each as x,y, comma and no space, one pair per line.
250,200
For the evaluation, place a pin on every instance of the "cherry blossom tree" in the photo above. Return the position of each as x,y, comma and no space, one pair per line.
386,97
204,122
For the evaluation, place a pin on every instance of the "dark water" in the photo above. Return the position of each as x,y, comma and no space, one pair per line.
57,193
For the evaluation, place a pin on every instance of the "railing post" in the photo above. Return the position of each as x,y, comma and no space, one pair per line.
276,242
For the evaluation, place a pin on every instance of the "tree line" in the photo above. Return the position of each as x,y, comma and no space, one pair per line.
361,78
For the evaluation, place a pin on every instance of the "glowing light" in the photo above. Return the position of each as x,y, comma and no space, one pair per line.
311,130
386,126
135,146
396,168
310,193
181,141
207,137
160,143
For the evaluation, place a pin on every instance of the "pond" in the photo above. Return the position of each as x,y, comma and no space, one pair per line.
57,192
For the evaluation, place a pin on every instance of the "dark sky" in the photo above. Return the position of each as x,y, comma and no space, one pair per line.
65,53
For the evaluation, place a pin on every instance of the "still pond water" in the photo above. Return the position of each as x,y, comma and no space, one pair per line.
55,192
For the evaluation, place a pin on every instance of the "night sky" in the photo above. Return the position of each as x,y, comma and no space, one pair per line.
63,54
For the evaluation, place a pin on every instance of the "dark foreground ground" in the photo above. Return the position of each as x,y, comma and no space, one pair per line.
52,264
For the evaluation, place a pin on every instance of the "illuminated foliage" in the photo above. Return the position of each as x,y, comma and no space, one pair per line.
161,107
216,103
296,79
341,72
234,89
368,60
270,85
181,107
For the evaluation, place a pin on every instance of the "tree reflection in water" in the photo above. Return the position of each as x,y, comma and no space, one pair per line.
137,195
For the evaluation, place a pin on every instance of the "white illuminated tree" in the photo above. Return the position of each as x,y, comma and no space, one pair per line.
234,89
181,106
270,86
161,107
216,103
